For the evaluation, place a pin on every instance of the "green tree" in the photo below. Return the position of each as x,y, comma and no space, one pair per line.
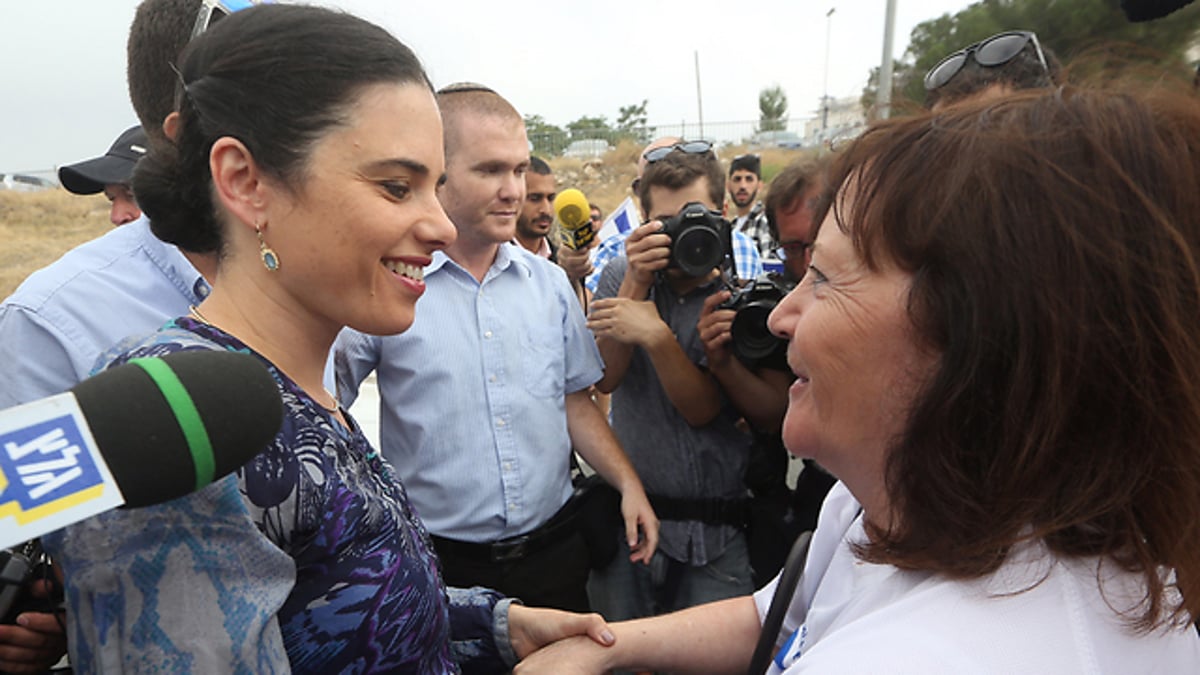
548,139
1091,33
772,109
590,127
631,123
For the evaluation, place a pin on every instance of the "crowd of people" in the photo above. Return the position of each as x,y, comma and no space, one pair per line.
978,325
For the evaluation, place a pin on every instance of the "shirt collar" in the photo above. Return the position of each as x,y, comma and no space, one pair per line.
506,255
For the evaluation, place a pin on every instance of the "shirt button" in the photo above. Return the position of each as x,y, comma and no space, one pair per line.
491,378
487,334
499,422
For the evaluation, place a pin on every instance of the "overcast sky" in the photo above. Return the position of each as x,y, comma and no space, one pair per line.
62,62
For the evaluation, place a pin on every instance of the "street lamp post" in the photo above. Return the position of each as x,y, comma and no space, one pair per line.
825,86
885,69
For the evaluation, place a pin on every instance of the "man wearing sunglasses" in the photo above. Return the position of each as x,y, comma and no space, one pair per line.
678,397
1004,62
746,259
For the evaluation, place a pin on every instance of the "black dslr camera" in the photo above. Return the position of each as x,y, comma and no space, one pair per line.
753,343
699,239
20,566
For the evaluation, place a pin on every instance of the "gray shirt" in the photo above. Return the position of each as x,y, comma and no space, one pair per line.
673,458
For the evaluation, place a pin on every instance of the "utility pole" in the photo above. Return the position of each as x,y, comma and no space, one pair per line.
885,69
825,87
699,99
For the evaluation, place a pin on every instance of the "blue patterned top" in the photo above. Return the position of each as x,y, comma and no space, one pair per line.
309,559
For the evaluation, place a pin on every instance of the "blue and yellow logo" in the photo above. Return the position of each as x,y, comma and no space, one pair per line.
45,468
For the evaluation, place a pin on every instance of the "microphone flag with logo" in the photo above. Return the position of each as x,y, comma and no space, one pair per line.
575,216
141,433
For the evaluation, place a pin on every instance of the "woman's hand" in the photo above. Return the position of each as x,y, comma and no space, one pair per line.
573,656
531,628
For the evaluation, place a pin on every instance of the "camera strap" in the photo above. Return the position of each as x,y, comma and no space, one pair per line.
729,264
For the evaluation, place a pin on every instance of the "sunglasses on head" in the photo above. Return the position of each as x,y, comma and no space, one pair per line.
686,147
212,11
995,51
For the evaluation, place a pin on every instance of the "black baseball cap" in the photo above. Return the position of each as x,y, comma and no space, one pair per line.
116,166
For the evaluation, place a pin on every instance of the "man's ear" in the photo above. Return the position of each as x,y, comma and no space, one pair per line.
238,181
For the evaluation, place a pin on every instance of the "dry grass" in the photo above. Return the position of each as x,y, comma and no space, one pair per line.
38,227
606,181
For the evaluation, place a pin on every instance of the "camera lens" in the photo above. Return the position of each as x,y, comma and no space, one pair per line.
697,250
752,340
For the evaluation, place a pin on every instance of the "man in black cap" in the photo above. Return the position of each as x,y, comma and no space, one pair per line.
745,178
111,175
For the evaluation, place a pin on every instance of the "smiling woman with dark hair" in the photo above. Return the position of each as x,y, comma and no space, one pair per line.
996,346
306,153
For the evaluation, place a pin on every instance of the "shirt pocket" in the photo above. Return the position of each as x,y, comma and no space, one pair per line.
542,355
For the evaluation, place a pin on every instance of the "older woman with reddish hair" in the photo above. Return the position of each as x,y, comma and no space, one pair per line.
997,351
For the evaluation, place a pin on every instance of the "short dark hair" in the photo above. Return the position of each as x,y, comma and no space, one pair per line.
795,181
1063,407
539,166
276,77
749,162
158,34
1024,71
458,101
678,170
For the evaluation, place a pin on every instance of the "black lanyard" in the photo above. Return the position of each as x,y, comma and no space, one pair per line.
793,569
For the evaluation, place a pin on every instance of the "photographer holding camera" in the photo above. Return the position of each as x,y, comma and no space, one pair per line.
778,513
678,393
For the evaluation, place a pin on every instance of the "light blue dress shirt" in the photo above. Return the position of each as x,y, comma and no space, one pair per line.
65,315
472,397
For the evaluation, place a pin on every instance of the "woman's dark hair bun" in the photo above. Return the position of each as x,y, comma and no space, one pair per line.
179,206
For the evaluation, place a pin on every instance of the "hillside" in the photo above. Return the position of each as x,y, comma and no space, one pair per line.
38,227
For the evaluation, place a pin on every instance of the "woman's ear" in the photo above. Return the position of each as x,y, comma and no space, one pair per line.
170,126
238,181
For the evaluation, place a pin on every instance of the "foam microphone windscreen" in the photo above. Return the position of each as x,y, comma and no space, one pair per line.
575,215
1147,10
167,426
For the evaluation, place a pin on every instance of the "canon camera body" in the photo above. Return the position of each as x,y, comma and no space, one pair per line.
699,239
753,343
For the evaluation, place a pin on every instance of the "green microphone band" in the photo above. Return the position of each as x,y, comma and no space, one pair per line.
186,415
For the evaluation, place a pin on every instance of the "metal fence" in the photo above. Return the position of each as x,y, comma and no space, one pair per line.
720,133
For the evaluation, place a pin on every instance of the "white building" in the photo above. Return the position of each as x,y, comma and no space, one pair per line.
844,119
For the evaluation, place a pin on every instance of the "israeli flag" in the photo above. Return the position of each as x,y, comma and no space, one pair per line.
622,220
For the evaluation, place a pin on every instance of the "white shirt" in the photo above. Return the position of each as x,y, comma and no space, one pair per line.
867,618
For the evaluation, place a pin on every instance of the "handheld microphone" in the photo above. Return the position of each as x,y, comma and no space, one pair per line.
1147,10
144,432
575,216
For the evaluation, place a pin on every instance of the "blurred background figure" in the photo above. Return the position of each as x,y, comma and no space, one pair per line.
110,173
535,220
597,216
748,217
